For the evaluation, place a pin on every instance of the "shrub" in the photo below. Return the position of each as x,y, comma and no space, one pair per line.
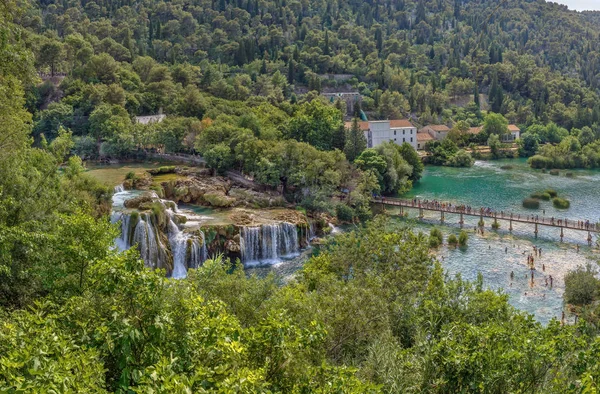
539,161
344,213
541,196
531,203
162,170
553,193
561,203
581,286
554,172
218,200
463,238
495,225
481,223
131,175
436,238
452,240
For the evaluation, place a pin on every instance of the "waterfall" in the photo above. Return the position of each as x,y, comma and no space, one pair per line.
268,243
119,188
138,228
186,249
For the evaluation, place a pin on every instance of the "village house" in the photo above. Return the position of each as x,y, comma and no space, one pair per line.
379,131
437,131
513,134
423,139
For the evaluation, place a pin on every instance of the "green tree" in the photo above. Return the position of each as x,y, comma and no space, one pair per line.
495,124
412,157
356,142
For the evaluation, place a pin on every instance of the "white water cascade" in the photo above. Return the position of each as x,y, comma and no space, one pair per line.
268,243
141,230
119,188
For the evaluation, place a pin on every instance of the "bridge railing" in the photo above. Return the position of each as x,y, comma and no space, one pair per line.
434,205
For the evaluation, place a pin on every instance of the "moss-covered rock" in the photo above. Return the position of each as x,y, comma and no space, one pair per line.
219,200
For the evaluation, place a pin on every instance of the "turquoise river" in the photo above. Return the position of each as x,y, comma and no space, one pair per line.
496,254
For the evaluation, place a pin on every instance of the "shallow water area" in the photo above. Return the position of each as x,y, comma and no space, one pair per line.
496,254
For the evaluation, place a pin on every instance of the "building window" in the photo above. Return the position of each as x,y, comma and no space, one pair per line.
411,139
394,132
403,139
403,132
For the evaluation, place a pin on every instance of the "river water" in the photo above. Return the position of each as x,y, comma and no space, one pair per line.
498,253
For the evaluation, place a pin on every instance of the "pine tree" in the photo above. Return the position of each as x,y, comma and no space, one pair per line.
476,96
291,72
339,138
495,96
379,39
421,14
326,47
356,142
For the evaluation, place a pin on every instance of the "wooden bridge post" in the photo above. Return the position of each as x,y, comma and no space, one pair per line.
561,234
510,228
536,230
401,210
442,216
420,213
462,221
589,238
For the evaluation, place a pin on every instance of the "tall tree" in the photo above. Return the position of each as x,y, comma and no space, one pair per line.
356,141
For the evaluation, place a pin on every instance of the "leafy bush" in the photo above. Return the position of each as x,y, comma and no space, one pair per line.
344,213
531,203
561,203
581,286
539,161
436,238
541,196
495,225
554,172
131,175
463,238
553,193
452,240
162,170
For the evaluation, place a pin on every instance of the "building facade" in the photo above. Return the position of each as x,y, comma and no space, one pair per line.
398,131
437,131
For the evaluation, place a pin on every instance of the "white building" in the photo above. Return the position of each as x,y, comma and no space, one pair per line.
150,119
379,131
514,133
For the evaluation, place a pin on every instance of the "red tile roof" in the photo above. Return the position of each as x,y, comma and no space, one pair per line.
475,130
363,125
512,127
424,137
400,123
438,127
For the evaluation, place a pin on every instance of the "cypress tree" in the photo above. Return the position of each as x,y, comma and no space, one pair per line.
476,96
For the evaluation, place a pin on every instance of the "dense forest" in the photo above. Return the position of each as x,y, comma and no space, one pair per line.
373,312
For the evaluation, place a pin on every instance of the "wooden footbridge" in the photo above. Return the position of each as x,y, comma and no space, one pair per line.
464,210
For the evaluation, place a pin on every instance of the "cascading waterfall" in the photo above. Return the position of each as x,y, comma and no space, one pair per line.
268,243
139,228
119,189
187,250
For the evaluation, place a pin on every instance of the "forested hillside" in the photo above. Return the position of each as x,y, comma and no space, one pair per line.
423,54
